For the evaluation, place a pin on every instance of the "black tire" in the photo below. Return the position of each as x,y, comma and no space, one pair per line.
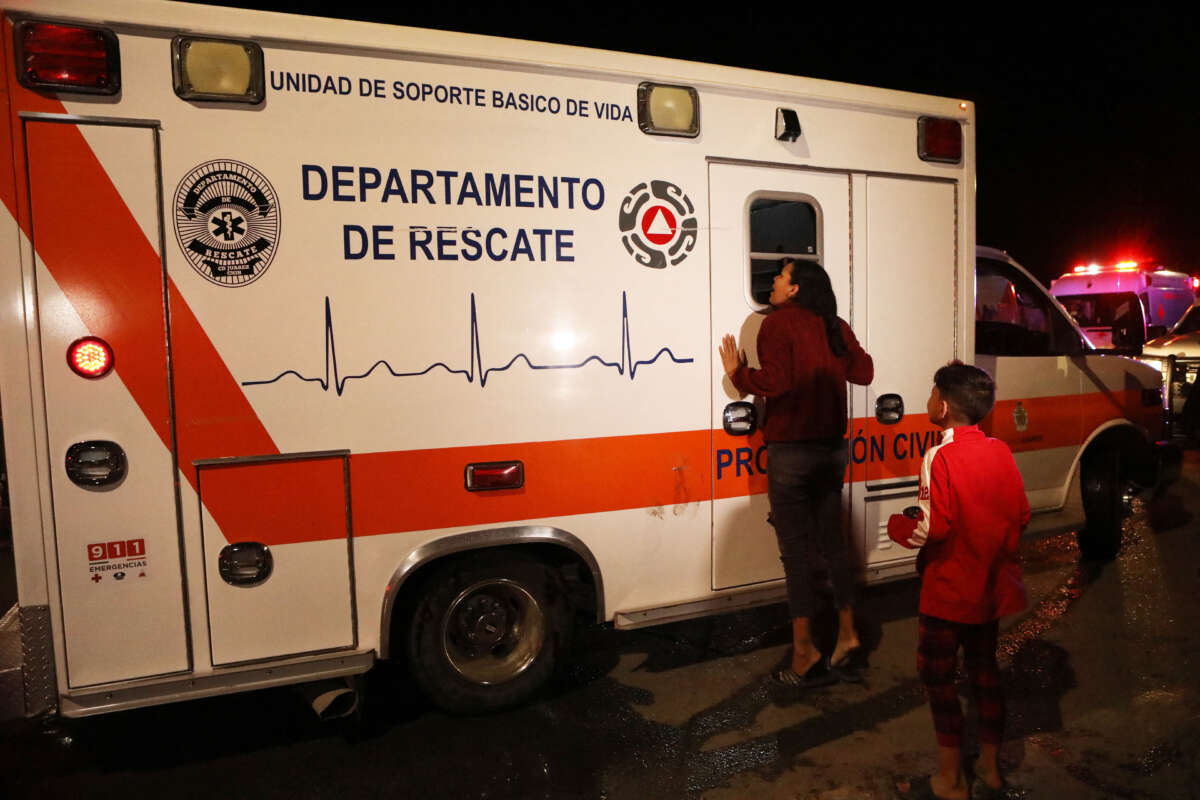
1103,504
486,631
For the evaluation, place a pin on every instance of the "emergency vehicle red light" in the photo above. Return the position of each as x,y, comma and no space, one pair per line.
497,475
1196,283
940,140
67,58
90,357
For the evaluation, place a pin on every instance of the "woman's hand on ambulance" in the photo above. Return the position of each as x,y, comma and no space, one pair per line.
731,358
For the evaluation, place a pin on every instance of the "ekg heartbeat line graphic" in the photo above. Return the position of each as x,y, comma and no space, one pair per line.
333,377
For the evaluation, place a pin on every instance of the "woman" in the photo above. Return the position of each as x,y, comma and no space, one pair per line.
807,354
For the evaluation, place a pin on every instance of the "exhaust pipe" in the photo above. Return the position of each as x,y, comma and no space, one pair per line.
331,699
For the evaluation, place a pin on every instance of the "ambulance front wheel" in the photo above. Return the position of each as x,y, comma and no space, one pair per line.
1101,484
486,631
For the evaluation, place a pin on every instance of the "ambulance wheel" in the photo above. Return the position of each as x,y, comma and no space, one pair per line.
1189,417
1103,505
486,631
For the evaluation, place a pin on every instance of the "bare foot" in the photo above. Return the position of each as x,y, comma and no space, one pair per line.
843,647
989,776
802,662
950,788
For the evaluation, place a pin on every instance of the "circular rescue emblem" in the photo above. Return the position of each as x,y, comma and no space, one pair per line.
658,224
227,221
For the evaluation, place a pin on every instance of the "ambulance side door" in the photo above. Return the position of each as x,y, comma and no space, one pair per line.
758,215
911,278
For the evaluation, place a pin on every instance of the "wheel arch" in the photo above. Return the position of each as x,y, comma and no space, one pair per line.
553,544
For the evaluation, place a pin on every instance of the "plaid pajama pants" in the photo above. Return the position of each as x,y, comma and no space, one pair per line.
937,663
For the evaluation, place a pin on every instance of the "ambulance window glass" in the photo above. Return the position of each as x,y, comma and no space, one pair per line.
1190,322
1014,318
779,227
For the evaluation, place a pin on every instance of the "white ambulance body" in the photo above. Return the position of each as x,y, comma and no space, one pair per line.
415,357
1124,305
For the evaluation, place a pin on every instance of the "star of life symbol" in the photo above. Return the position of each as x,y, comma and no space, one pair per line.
227,221
658,224
227,226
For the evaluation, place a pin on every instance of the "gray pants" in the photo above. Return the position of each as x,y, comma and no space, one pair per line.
804,485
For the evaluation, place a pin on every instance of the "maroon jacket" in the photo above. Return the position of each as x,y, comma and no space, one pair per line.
803,382
973,508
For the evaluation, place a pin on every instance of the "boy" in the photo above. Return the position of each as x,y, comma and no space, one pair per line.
972,508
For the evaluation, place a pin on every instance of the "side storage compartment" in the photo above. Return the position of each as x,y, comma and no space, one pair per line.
290,589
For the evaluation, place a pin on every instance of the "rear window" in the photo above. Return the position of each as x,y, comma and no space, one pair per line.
1100,310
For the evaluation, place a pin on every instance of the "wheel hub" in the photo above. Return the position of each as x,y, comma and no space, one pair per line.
484,621
493,631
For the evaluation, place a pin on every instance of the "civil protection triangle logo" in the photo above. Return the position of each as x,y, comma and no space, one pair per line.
658,224
227,221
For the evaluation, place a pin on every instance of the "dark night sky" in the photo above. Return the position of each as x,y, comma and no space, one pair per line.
1088,124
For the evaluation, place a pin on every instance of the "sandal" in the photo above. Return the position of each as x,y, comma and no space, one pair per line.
980,790
851,667
920,789
819,674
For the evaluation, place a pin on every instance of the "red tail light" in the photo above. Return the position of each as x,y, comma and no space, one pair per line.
67,58
90,357
939,139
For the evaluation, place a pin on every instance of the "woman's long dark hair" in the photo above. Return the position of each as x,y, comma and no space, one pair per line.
815,293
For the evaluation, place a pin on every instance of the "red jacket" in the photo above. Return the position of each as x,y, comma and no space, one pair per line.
803,382
973,508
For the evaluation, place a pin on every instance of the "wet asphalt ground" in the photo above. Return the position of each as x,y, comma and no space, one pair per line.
1103,702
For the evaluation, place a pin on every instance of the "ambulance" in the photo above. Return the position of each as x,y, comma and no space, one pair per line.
328,342
1124,305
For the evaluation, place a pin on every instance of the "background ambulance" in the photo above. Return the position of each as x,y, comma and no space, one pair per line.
1126,304
328,342
1176,354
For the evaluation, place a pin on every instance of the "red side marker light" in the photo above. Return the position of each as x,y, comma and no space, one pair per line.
67,58
90,357
495,475
940,140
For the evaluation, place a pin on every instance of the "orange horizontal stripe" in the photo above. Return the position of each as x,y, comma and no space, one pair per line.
424,489
279,502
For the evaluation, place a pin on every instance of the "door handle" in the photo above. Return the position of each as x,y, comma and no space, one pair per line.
740,418
889,408
245,563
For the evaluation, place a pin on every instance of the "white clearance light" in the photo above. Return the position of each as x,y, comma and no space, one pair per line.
217,70
668,110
